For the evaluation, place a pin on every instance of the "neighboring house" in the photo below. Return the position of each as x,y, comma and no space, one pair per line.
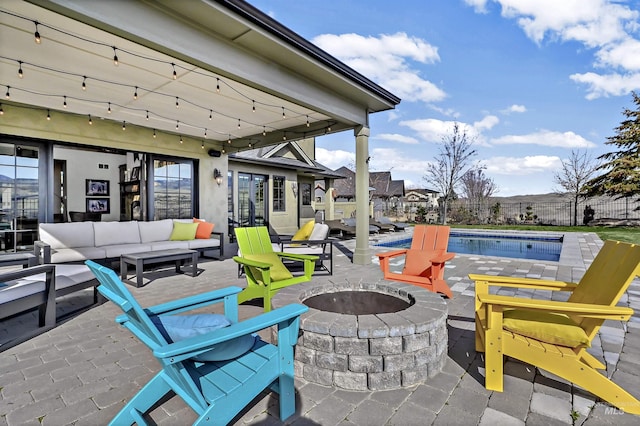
275,185
425,198
151,106
385,194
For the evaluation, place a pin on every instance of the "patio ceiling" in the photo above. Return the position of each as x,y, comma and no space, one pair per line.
241,79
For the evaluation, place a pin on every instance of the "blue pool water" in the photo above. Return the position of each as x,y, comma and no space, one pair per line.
519,247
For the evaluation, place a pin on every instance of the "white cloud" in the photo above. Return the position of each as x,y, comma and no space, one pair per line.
433,130
521,165
386,60
389,159
480,6
604,25
394,137
335,159
487,123
393,115
514,108
545,138
609,84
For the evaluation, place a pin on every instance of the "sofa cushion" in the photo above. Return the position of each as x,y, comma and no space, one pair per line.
67,235
157,230
200,243
320,232
166,245
111,233
63,255
305,231
183,231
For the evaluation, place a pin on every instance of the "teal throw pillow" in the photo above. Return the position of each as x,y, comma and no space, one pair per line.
175,328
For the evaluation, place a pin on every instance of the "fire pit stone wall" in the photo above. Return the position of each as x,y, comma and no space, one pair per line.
377,351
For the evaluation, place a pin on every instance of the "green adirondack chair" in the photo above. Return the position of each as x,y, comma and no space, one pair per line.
216,364
263,267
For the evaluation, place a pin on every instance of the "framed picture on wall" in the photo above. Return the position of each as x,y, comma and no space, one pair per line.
98,205
97,187
135,173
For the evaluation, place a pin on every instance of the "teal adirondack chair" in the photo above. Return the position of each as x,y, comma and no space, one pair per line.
263,267
210,371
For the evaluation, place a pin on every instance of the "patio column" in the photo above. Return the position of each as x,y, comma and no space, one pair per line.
329,202
361,255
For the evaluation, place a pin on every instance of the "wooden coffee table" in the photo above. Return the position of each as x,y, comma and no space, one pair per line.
159,256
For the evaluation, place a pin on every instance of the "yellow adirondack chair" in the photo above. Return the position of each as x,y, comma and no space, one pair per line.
554,335
265,272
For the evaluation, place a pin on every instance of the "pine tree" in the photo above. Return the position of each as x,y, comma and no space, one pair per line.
622,167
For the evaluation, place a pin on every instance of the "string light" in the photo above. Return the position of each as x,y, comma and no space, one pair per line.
8,95
154,133
20,74
84,85
210,114
90,120
64,104
135,93
229,140
177,124
115,56
264,131
307,120
205,133
37,34
175,74
177,104
124,125
109,108
1,110
223,150
202,145
238,123
284,136
218,84
180,138
254,106
283,114
48,115
250,145
147,115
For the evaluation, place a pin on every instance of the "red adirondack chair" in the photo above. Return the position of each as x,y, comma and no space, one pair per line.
424,260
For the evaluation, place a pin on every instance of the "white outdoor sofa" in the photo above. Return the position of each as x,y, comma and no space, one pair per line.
22,290
107,241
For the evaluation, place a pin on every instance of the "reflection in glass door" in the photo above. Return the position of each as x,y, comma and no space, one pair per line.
252,205
18,197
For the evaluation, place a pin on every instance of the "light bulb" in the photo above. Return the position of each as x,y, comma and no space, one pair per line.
115,56
154,133
8,95
135,93
20,74
64,104
37,34
90,120
175,75
84,84
48,115
124,125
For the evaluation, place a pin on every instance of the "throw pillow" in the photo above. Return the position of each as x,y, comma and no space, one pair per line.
305,231
547,327
175,328
183,231
204,229
416,263
278,271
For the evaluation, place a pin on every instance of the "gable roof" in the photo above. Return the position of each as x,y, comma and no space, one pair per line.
288,155
379,182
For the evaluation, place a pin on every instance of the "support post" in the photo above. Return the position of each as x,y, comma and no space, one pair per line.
362,255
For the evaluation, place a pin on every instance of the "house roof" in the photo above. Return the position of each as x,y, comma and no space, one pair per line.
297,89
379,182
276,156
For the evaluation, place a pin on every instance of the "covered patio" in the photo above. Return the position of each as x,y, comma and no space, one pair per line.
198,79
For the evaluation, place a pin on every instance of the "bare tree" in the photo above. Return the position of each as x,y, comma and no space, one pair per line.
450,164
477,188
576,172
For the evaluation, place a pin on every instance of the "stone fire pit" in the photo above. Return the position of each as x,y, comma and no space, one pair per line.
368,336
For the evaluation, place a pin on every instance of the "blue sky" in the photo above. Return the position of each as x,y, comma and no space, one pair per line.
530,80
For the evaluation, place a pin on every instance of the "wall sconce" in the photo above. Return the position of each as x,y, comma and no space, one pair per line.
294,188
217,176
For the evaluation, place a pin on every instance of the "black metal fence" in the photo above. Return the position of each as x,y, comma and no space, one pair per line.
544,213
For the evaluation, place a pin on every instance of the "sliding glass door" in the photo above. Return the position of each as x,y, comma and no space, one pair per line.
252,202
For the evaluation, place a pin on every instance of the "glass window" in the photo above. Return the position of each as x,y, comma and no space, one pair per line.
305,191
172,189
278,194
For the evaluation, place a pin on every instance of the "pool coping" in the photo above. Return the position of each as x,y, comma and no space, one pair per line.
570,253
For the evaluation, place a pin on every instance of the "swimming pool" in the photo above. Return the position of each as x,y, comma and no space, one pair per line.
503,245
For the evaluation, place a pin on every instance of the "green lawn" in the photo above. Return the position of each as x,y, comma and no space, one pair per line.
627,234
